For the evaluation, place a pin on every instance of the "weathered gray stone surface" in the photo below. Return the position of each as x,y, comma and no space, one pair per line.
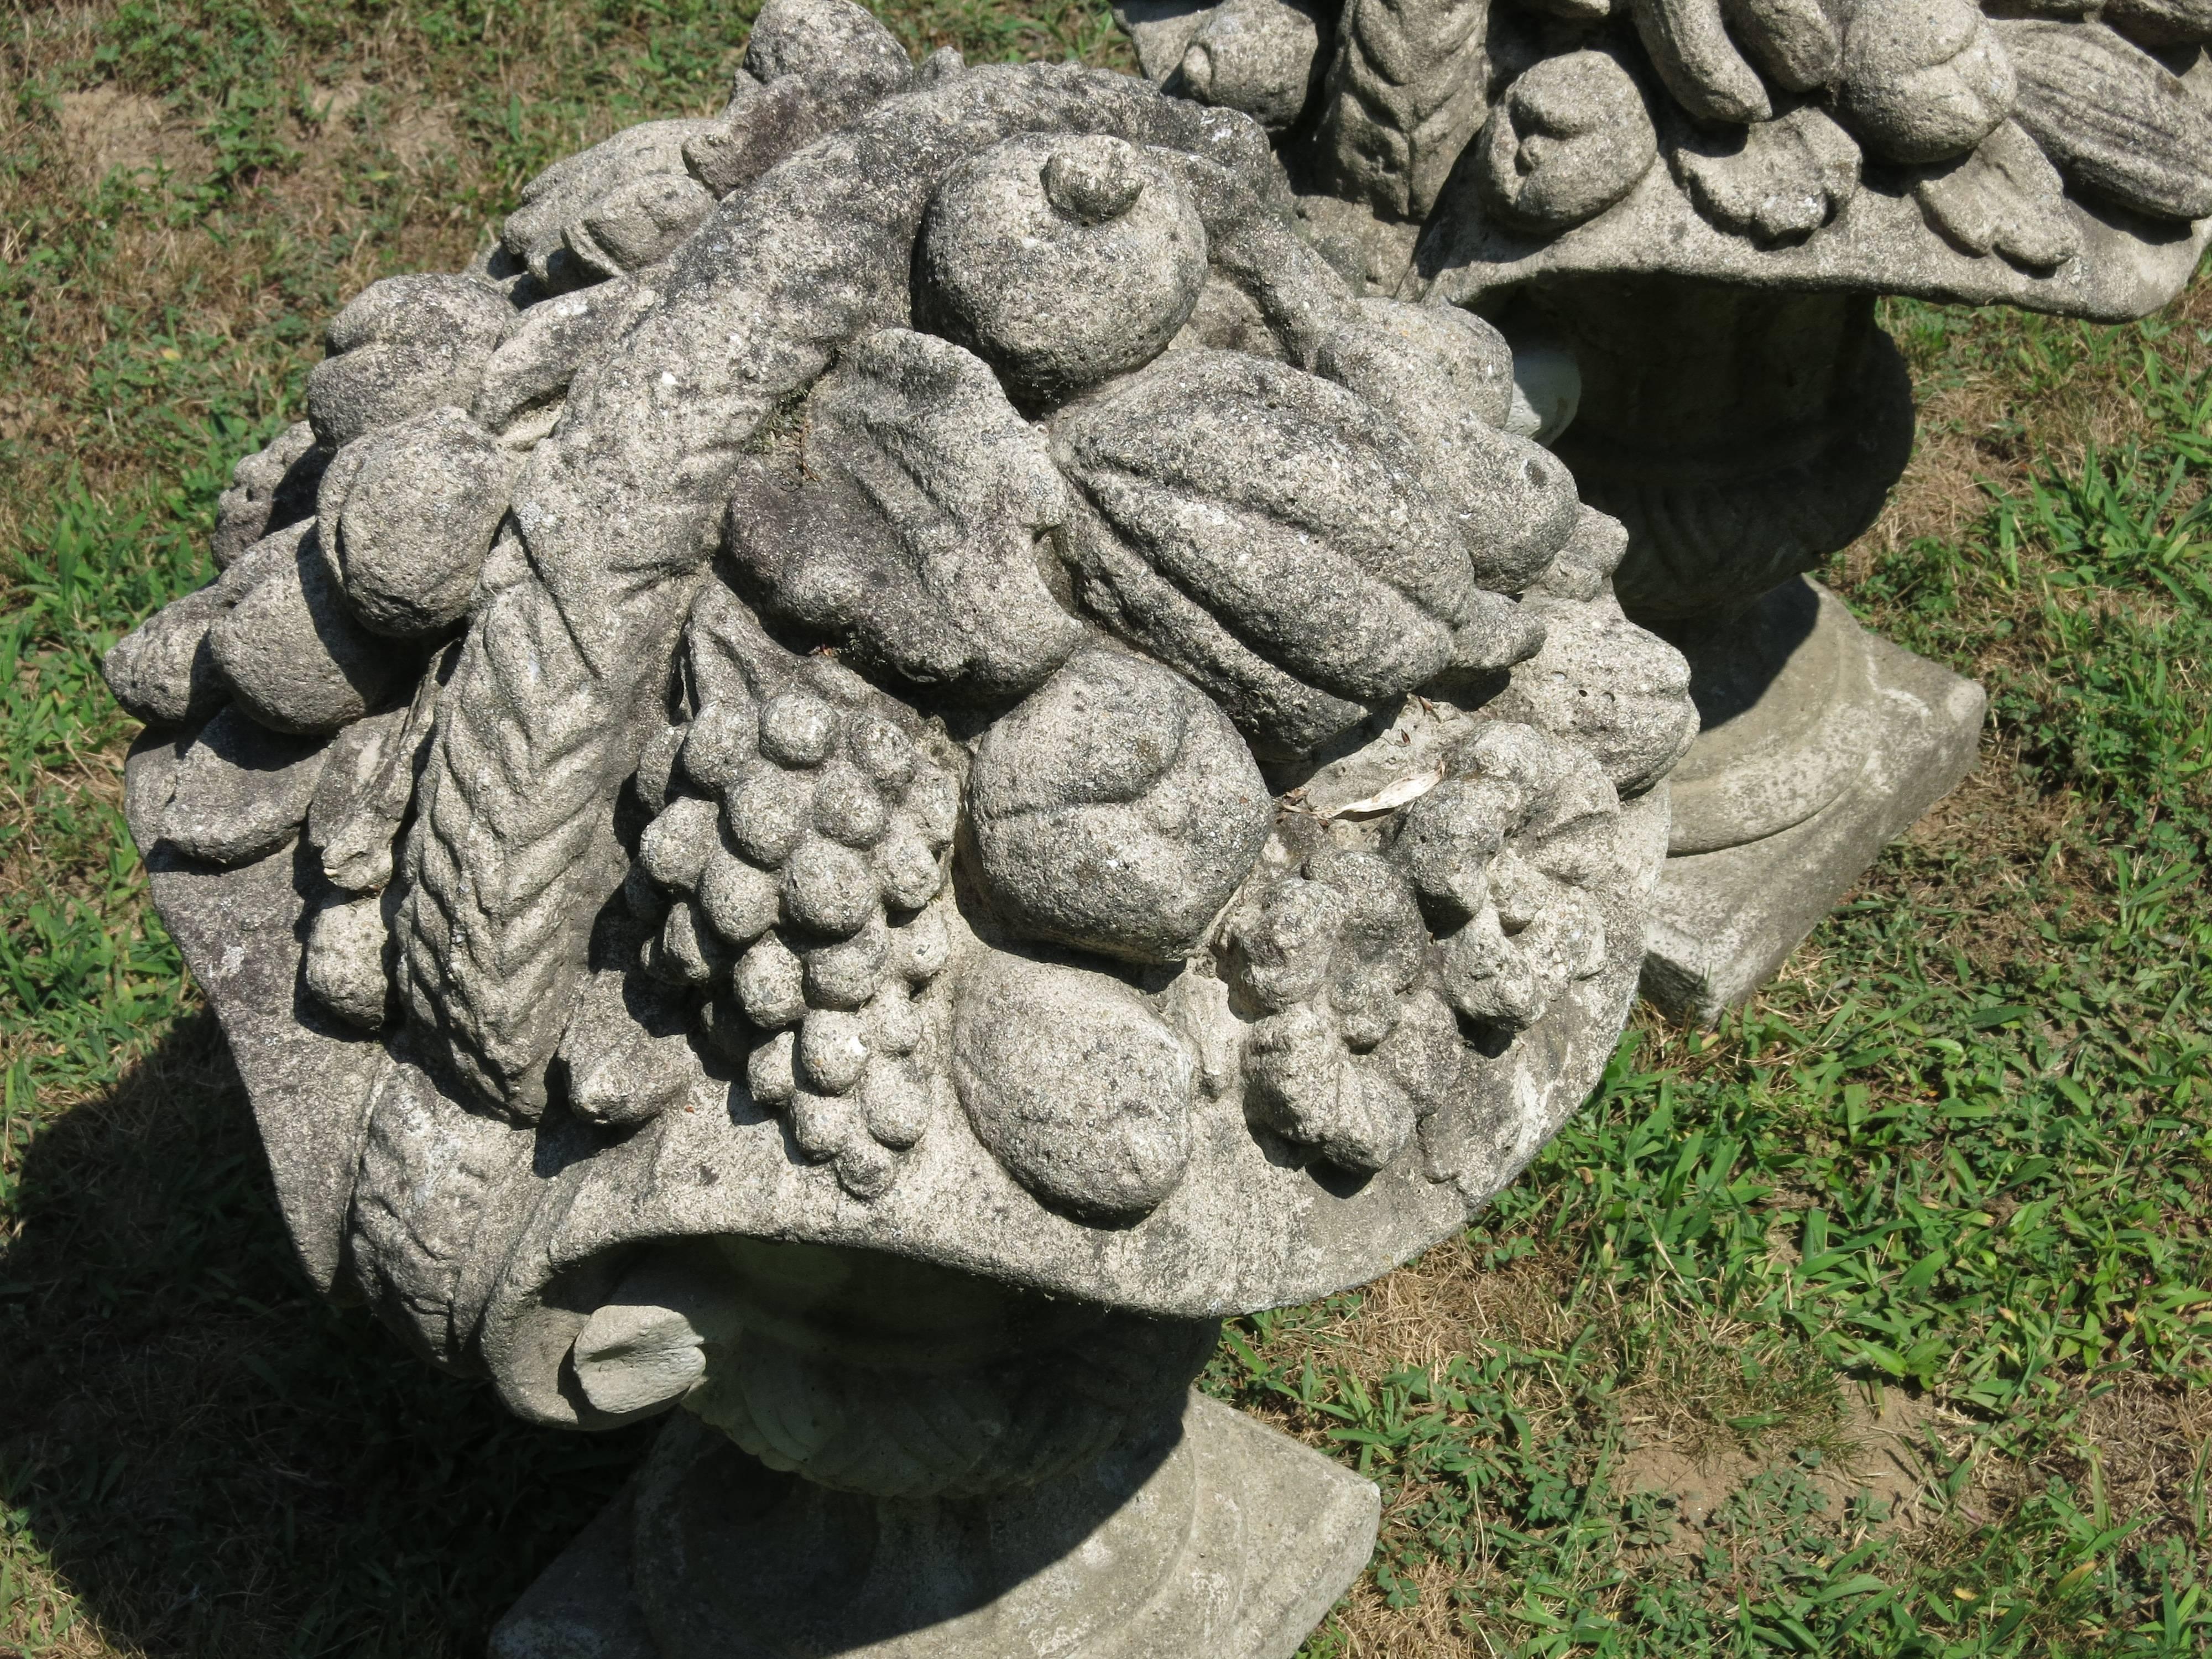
347,967
405,346
405,516
268,490
871,885
1570,138
1061,263
952,593
237,791
1116,809
290,652
1258,56
162,672
1776,143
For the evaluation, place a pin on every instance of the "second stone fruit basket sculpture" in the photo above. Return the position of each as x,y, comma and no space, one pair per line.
894,758
1681,213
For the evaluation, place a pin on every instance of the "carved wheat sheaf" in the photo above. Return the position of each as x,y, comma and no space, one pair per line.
1403,96
491,927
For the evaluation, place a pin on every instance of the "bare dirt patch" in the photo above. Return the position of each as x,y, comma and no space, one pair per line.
1881,1452
420,136
2147,1446
106,128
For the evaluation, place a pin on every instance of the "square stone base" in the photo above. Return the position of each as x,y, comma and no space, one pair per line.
1280,1532
1722,922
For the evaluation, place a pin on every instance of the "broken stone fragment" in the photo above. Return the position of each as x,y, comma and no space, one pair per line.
1570,136
369,785
625,1056
404,345
1584,568
346,820
2005,198
2117,122
241,791
1258,56
1074,1084
1060,261
407,514
756,133
1116,809
162,672
292,653
1777,181
1924,80
268,490
347,966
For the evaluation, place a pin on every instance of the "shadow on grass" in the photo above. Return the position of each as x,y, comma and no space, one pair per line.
219,1463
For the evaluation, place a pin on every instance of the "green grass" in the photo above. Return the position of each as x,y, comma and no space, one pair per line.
1969,1155
1956,1164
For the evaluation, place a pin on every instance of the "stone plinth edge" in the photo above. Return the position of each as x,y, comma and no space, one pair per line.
1722,922
1279,1532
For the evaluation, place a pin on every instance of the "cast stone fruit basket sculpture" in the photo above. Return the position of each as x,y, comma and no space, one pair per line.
895,756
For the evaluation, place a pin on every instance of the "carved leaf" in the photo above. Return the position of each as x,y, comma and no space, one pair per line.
2006,196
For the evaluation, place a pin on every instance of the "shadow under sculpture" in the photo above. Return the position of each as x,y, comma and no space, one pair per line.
1681,212
895,757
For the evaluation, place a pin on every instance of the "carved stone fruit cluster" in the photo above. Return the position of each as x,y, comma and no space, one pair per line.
1350,1047
1500,852
798,840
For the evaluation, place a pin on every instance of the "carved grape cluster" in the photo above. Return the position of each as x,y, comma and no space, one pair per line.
1348,1047
799,840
